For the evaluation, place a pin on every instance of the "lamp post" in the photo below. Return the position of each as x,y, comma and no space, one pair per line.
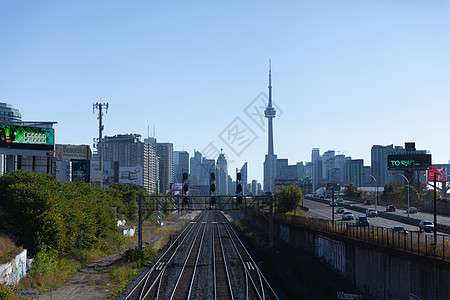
376,190
407,180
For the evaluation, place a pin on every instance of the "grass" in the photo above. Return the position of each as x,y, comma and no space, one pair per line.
8,249
122,272
299,274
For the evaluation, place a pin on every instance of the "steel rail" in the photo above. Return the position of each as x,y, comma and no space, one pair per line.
186,260
198,256
148,273
230,289
157,280
184,233
173,255
247,273
214,261
256,266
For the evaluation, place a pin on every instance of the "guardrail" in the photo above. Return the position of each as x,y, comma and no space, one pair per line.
383,214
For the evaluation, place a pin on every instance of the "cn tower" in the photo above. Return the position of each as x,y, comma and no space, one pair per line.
270,162
270,113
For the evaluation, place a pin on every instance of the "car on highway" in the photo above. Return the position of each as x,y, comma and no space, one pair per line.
321,196
367,202
340,199
398,228
426,226
412,210
309,195
327,196
361,221
333,204
390,207
371,212
340,210
347,215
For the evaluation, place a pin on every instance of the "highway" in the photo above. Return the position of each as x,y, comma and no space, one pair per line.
325,211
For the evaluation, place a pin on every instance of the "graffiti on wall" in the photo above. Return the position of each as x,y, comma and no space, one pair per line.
284,233
332,252
12,272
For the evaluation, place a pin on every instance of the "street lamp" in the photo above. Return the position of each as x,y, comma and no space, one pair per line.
407,180
376,190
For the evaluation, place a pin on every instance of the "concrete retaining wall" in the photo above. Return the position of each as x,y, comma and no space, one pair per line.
12,272
382,272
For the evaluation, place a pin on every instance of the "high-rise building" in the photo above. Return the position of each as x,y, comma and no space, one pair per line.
9,115
254,187
164,151
270,162
353,172
315,153
180,165
136,160
244,179
222,175
379,163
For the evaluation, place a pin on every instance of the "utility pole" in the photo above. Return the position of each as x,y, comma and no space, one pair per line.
100,107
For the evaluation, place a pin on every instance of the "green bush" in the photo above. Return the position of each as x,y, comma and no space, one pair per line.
6,293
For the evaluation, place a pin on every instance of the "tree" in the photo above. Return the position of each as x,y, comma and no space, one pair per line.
351,190
287,199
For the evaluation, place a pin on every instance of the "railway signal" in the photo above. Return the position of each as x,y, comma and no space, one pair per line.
212,188
185,188
238,187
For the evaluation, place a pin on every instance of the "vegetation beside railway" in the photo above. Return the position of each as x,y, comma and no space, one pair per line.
63,226
299,274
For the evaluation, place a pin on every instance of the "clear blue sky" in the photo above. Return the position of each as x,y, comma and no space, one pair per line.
346,74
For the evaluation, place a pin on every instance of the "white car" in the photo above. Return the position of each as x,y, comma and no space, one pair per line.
347,215
340,210
371,212
340,199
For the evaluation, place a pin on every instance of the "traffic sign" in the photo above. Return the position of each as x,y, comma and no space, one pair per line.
28,293
342,295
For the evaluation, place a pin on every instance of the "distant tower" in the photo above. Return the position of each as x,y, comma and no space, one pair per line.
270,113
270,162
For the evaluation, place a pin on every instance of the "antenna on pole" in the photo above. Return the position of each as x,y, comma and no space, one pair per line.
99,145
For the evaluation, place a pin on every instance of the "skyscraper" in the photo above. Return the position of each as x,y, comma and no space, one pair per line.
244,178
270,162
222,175
180,165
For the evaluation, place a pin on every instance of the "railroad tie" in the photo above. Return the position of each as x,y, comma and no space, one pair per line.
250,266
160,266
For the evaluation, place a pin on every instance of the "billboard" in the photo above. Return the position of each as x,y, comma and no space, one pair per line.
69,152
333,185
417,162
442,174
22,137
109,172
81,170
131,174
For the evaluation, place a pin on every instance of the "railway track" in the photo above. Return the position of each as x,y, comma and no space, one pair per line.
206,261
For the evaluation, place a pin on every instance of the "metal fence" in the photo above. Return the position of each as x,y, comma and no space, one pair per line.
413,241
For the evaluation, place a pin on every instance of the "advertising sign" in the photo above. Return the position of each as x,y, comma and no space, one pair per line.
176,186
81,170
130,175
69,152
21,137
418,162
108,172
441,174
333,185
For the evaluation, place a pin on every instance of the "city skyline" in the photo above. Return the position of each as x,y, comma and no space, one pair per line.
345,76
